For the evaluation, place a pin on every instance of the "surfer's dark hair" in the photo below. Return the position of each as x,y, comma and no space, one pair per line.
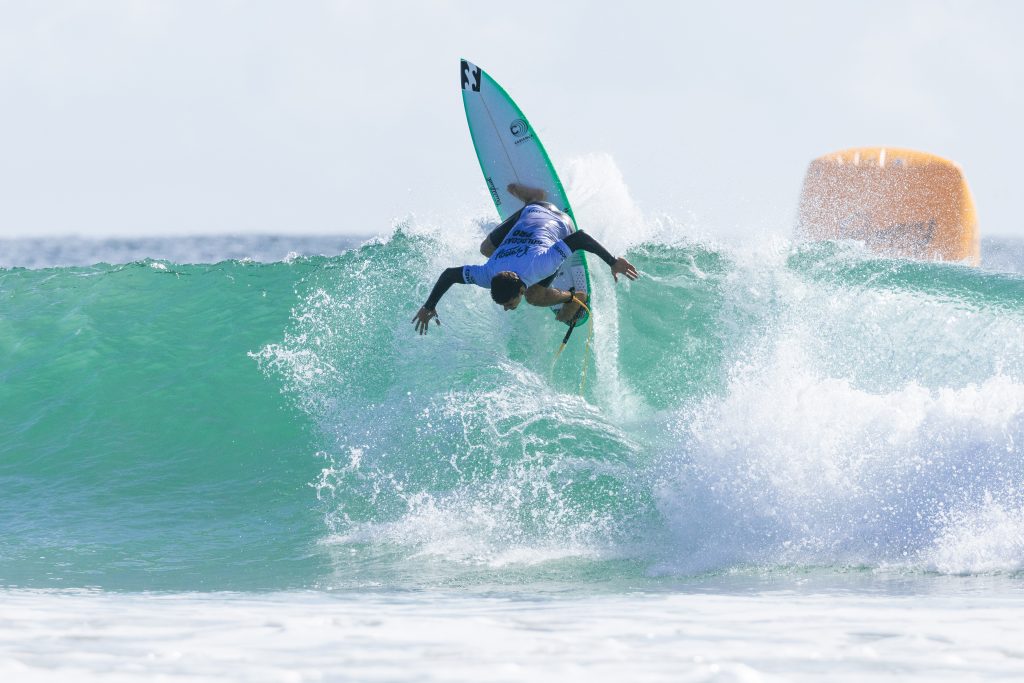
505,287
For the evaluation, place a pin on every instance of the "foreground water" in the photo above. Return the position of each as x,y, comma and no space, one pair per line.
953,632
785,461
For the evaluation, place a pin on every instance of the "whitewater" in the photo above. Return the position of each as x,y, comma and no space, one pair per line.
233,459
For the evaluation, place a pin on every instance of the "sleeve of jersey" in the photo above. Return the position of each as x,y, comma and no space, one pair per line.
548,262
476,275
562,249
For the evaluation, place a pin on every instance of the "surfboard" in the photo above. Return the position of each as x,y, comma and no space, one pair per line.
510,151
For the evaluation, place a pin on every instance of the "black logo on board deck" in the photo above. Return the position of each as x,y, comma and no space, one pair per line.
470,76
519,127
494,191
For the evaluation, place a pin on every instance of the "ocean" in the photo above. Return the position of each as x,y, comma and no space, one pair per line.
231,458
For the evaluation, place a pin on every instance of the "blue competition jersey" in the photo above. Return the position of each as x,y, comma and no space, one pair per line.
533,249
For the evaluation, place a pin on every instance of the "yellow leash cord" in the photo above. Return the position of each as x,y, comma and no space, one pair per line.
586,347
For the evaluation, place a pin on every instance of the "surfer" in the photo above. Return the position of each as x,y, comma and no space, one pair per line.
524,253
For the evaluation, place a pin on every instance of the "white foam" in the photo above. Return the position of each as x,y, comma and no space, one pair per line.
982,538
522,510
794,467
785,636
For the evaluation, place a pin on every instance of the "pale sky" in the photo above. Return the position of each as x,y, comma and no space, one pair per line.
164,117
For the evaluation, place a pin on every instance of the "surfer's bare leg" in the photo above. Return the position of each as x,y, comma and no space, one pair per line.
539,295
526,194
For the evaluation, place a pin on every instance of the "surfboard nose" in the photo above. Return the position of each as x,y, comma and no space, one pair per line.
469,74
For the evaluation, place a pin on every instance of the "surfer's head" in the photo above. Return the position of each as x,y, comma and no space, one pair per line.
507,289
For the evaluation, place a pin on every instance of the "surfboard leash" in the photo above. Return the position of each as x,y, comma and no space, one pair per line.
568,333
572,326
586,347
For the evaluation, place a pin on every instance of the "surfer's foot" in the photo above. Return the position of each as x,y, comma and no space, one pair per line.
525,193
568,310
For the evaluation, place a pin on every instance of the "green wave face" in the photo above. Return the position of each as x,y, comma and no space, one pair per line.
142,447
246,425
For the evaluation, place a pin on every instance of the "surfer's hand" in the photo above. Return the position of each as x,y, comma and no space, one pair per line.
422,319
624,267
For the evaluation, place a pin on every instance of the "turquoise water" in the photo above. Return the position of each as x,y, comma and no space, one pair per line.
249,425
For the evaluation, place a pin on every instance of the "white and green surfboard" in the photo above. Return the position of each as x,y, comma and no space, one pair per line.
509,151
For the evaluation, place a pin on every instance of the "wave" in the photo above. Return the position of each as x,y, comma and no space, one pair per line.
270,425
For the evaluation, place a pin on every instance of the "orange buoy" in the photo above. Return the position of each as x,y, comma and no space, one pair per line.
898,201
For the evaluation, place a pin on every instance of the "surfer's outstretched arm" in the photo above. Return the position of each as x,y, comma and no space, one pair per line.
428,310
620,266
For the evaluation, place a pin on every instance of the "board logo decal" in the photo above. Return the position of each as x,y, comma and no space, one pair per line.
470,76
519,127
494,191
